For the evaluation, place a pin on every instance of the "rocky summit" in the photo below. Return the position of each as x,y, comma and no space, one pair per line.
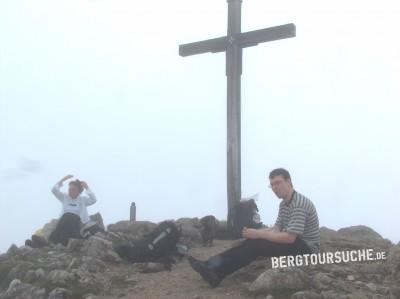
91,269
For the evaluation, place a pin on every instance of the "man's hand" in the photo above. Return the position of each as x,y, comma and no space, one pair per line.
84,185
250,233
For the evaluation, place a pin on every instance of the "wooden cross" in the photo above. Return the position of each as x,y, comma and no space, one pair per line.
233,44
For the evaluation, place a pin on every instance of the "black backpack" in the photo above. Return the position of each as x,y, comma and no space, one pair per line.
244,214
160,245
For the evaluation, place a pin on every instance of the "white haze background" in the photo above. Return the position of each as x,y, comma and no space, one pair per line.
97,89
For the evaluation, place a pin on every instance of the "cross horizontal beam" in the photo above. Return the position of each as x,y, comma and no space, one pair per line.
243,40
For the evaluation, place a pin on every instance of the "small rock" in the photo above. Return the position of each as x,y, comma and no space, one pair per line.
330,294
350,277
395,292
306,295
60,293
132,280
30,276
60,277
134,228
190,227
97,247
371,286
40,274
59,247
19,271
149,267
19,290
93,265
393,261
112,256
73,264
274,280
75,244
24,250
322,281
373,268
13,250
35,275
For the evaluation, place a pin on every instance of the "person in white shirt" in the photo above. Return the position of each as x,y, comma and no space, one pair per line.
74,209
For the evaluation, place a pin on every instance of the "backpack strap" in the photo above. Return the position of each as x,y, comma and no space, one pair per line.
161,236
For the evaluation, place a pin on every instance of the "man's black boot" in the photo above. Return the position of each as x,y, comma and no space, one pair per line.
205,271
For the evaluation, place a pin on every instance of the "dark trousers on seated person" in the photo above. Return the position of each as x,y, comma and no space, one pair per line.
247,251
67,227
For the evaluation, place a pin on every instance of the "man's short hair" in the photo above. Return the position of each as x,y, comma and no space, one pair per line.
77,184
280,171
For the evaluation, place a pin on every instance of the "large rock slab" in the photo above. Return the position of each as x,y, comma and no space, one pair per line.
353,237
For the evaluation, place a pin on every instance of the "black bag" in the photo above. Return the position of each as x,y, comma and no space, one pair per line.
90,229
244,214
160,245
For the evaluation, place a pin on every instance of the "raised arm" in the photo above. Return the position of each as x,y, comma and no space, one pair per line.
56,188
90,198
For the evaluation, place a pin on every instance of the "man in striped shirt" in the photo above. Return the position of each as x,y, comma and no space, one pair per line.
296,231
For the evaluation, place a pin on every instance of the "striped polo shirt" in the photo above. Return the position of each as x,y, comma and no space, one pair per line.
300,217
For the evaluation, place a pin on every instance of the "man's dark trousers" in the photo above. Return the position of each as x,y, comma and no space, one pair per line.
247,251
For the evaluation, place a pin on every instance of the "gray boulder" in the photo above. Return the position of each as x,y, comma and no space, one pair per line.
19,290
12,250
133,228
100,248
149,267
191,234
33,276
61,278
306,295
353,237
322,281
92,265
59,293
395,292
276,281
393,262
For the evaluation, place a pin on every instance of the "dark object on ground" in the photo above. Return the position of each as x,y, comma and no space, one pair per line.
160,245
90,229
245,214
36,241
205,271
67,227
209,226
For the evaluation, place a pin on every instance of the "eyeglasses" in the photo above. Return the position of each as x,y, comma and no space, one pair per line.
276,183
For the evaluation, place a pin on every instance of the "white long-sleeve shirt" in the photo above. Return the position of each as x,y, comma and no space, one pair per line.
76,206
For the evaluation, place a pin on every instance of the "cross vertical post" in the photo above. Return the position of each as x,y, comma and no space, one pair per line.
233,73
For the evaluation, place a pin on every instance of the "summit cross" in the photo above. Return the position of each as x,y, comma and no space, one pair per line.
232,44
